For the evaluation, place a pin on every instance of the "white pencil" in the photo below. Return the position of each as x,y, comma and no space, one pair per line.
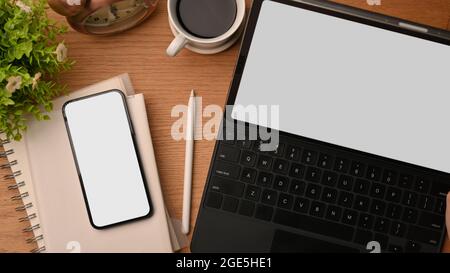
188,160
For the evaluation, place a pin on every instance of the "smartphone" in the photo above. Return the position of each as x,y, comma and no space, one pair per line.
105,154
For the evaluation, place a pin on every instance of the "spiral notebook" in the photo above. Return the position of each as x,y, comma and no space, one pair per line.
43,168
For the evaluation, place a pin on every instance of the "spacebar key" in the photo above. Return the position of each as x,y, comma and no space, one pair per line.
314,225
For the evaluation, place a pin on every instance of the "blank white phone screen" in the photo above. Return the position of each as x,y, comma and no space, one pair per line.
350,84
107,162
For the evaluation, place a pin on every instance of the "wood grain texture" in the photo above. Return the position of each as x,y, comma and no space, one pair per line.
166,82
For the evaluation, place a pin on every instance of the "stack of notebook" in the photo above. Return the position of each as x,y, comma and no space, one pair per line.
43,167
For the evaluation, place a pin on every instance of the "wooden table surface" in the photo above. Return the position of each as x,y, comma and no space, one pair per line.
166,82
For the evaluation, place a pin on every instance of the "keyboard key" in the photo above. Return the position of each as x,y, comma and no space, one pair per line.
333,213
313,174
245,144
252,193
382,225
269,197
410,215
324,161
377,207
279,151
301,205
341,165
395,249
297,187
264,179
247,208
264,212
345,182
422,185
440,206
382,239
377,190
423,235
398,229
349,217
281,183
440,189
426,203
365,221
214,200
230,204
227,186
357,168
373,173
315,225
257,146
361,203
285,201
317,209
228,153
248,158
394,211
297,170
363,237
410,198
389,177
293,153
226,169
345,199
393,195
329,195
264,162
309,157
329,178
431,220
313,191
412,247
405,181
281,166
362,186
248,176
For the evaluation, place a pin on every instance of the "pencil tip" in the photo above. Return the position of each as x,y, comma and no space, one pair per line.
193,93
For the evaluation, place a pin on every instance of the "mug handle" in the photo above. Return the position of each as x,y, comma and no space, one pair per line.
176,45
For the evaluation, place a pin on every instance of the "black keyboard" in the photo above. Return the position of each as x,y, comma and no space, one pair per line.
335,193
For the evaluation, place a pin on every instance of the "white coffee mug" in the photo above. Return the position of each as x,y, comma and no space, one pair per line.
203,45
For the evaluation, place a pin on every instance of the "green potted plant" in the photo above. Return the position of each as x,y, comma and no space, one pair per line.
31,56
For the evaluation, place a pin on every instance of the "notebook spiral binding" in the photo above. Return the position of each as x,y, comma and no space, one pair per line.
21,196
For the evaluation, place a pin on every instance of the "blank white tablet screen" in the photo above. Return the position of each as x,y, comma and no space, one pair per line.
351,85
106,158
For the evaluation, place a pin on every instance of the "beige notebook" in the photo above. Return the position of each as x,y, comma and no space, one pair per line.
48,183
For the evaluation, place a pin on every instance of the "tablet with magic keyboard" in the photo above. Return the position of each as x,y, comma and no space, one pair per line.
363,142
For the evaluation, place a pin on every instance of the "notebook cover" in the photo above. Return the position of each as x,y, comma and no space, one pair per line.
55,191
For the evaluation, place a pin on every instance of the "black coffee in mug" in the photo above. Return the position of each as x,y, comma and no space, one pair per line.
206,18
